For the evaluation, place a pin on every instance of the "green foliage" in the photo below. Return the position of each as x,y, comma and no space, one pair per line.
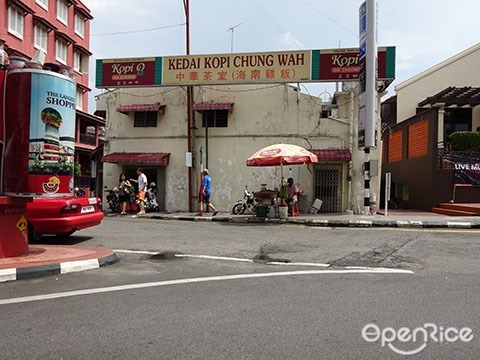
77,169
465,141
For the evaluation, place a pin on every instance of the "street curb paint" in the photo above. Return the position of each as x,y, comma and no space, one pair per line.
66,267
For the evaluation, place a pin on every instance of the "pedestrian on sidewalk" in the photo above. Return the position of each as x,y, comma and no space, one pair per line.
142,189
124,187
207,191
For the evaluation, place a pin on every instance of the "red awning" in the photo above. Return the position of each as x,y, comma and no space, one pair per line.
141,107
213,106
137,158
332,154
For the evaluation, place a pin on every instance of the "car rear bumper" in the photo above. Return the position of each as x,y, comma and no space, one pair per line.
66,224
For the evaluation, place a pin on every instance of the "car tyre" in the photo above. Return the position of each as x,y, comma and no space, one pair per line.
33,235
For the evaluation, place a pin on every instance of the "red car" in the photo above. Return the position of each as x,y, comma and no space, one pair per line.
62,216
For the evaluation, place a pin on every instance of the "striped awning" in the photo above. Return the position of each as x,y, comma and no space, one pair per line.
141,107
137,158
332,154
213,106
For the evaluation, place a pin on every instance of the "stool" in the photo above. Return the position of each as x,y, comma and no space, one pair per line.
295,209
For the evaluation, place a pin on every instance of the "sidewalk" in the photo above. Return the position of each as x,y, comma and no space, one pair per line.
395,219
45,260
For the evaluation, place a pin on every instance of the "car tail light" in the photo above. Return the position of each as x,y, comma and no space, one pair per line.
71,209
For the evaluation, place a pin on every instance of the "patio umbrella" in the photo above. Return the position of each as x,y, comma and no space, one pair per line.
282,154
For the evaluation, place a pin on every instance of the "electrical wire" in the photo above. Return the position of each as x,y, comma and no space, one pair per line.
329,18
140,30
275,23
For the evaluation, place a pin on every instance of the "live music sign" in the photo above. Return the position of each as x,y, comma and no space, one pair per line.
243,68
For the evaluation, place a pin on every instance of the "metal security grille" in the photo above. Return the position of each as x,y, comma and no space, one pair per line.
328,187
145,119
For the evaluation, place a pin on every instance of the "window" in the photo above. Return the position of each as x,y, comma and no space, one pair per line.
79,25
42,3
215,118
15,22
79,99
61,51
78,62
40,38
62,11
145,119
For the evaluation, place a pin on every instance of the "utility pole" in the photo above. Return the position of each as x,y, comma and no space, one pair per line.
186,6
231,41
368,97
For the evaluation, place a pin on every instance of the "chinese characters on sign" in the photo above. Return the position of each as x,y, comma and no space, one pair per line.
246,68
237,68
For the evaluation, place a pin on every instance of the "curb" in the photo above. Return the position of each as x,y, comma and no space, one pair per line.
374,223
32,272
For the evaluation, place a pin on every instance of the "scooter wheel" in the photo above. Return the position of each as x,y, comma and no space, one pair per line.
238,209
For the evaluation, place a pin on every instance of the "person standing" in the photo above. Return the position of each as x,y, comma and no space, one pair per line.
142,189
207,191
124,187
293,193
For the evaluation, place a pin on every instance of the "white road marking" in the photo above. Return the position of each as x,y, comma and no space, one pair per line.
297,264
137,252
108,289
210,257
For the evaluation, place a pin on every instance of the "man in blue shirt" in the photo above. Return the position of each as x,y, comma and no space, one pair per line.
207,191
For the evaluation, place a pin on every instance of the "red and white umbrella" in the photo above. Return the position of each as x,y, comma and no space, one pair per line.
282,154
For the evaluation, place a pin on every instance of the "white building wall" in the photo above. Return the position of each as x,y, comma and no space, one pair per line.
262,115
460,70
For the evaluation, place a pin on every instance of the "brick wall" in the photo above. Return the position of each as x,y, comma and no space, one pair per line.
395,146
418,139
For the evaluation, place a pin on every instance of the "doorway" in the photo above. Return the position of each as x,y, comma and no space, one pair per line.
328,187
154,174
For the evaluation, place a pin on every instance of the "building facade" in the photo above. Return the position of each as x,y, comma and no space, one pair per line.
427,109
147,128
60,29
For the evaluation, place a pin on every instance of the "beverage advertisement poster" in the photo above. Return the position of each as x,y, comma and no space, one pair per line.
52,133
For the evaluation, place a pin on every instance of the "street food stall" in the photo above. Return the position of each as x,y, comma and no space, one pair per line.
278,155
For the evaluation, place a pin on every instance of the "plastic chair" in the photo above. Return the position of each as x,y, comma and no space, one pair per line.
295,209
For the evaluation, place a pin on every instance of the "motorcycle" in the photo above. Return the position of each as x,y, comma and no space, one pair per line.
247,204
150,201
112,200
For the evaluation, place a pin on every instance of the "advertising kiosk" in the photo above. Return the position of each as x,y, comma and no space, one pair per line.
37,147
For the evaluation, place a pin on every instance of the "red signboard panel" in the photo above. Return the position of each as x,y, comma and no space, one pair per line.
129,72
341,65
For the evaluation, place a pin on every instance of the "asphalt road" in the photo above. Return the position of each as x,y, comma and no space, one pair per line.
153,305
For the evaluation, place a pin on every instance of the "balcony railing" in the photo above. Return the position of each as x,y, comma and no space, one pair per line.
88,139
446,158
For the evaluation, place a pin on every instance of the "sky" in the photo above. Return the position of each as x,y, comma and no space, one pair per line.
424,32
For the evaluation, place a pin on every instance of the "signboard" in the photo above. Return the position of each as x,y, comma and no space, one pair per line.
243,68
466,174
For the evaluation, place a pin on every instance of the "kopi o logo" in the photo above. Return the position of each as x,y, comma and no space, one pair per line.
415,340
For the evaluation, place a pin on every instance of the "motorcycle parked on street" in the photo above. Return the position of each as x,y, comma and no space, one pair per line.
112,199
150,201
246,205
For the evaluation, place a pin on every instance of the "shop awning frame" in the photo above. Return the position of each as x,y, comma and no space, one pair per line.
137,158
